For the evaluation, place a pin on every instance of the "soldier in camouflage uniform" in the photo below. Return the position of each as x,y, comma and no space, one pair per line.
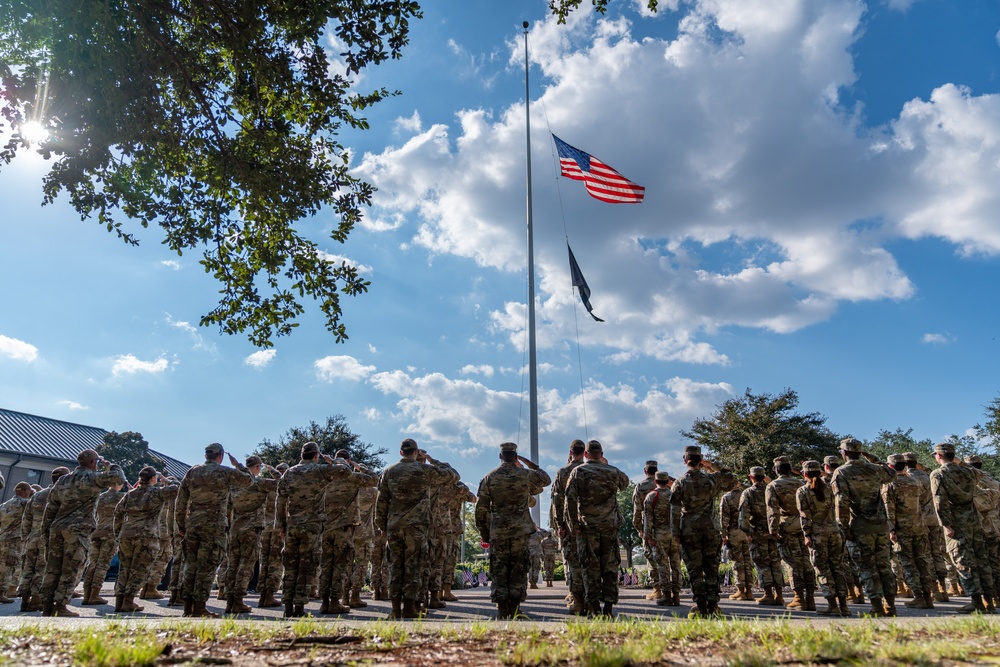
341,516
737,542
271,544
103,546
504,521
201,516
11,546
33,562
592,515
904,497
440,521
763,548
693,519
535,556
988,504
663,546
854,589
380,564
166,549
137,526
953,487
364,534
785,526
550,549
402,513
817,508
249,512
861,514
935,534
68,521
639,494
567,541
460,495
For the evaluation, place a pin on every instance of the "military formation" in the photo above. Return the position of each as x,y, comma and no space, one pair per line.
848,528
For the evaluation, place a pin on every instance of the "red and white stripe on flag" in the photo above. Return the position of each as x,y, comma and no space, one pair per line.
603,182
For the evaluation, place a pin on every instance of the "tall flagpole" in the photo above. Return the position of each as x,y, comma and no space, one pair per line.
536,511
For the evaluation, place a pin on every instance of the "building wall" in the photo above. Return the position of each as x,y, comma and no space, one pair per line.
31,469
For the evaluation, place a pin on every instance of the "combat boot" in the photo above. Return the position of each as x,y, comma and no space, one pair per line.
25,603
907,591
448,596
355,601
532,585
655,593
289,610
324,607
890,606
92,595
62,611
384,593
548,584
956,588
779,596
877,608
229,605
346,600
35,603
842,603
175,598
188,607
239,607
149,592
48,608
699,610
976,605
578,608
435,601
119,600
797,602
396,612
300,611
608,611
920,602
267,600
810,599
940,592
859,595
221,595
676,601
410,609
900,587
198,610
747,593
129,605
336,608
738,595
768,598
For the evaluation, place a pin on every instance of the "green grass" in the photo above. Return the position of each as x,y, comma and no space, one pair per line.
101,650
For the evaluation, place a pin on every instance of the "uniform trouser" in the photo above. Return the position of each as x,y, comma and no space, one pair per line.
509,564
454,542
993,557
599,557
163,557
65,558
795,555
897,567
436,544
827,557
549,567
103,547
204,548
407,555
571,566
177,569
938,552
338,555
667,562
701,552
10,563
915,562
137,554
269,578
535,568
242,554
380,563
299,557
362,556
870,552
32,567
739,555
654,571
764,553
968,552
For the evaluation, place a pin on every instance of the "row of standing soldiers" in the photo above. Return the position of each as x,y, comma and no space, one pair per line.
313,528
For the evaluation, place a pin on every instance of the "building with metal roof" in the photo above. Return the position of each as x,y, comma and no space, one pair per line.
31,446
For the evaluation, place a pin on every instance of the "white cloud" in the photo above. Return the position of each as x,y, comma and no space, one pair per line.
199,341
128,364
72,405
482,369
341,367
937,338
363,269
171,264
743,226
260,359
372,349
17,349
410,125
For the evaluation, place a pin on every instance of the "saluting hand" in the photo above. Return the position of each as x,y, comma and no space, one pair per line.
232,459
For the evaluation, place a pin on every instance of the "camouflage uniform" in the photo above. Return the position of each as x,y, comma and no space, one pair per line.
504,521
33,562
763,548
68,522
935,534
201,516
243,550
437,537
953,487
402,513
340,504
299,518
903,500
785,526
137,525
693,520
592,515
857,486
662,543
988,504
460,495
164,553
103,541
826,543
567,541
271,543
535,556
550,549
380,561
737,541
639,494
11,546
364,534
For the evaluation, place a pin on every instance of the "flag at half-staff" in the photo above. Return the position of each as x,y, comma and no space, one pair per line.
602,182
580,283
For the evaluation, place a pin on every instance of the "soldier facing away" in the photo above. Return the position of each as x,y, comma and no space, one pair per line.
567,541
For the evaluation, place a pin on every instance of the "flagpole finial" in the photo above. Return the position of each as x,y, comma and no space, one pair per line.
524,25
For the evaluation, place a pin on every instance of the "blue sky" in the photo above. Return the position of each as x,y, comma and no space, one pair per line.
822,213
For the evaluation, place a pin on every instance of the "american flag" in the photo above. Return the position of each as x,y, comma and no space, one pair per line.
602,181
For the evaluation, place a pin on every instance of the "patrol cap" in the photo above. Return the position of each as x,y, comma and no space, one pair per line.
651,464
850,445
758,471
253,460
281,467
148,472
692,450
213,449
577,446
831,460
662,476
910,457
342,454
811,466
780,460
594,446
893,459
408,445
310,448
59,472
974,458
508,446
22,487
944,448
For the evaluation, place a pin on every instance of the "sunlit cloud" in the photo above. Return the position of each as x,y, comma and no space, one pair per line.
128,364
17,349
341,367
260,359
